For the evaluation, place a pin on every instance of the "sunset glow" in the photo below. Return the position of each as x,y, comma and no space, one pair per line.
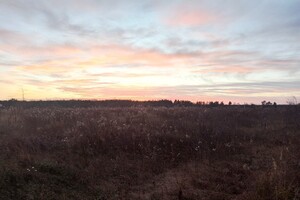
240,51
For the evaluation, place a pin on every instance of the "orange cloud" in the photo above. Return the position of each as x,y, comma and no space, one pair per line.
128,55
67,59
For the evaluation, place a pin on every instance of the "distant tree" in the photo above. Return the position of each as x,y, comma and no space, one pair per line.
292,101
229,103
222,103
213,104
200,103
263,103
183,103
268,103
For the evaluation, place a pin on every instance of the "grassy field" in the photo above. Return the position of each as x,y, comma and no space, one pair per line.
150,153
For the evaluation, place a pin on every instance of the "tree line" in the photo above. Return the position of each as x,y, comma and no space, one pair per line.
124,103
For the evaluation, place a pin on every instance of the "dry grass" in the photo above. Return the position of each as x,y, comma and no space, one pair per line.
150,153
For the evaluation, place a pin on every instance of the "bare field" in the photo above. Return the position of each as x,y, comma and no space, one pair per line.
150,153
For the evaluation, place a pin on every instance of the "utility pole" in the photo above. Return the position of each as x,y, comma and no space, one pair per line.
23,96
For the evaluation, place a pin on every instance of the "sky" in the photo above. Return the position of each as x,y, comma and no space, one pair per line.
199,50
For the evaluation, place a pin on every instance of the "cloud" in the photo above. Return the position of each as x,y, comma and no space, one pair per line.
251,90
12,37
67,58
189,18
168,48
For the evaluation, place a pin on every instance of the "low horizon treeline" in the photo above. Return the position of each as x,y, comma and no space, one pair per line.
123,103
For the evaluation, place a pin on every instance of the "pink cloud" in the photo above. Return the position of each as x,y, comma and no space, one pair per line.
189,15
193,18
68,58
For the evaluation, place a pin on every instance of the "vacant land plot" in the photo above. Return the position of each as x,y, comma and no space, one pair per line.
150,153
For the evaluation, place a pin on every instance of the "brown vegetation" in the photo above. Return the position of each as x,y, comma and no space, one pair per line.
150,153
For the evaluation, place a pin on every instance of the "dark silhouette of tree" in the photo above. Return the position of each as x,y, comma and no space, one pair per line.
213,104
200,103
163,102
268,103
183,103
292,101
